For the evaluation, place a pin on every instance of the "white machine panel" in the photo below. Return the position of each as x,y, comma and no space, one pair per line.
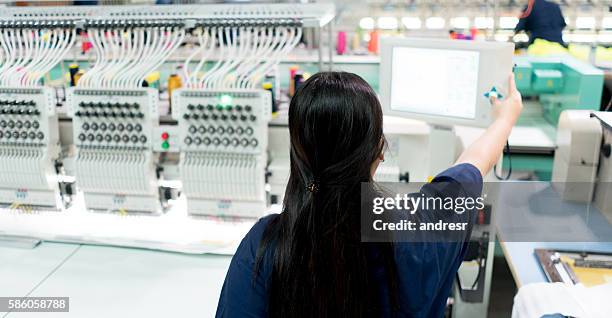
577,155
223,145
29,147
115,166
443,82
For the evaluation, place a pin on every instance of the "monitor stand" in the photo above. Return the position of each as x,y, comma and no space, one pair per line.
442,149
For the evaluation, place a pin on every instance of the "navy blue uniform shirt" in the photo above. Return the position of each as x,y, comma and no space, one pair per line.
544,22
425,270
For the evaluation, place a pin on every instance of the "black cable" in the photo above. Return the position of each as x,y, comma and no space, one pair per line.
477,279
507,177
482,256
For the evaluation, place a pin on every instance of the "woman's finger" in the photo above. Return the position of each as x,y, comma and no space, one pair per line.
493,99
511,84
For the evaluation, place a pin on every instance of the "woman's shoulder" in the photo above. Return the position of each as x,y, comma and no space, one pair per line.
261,225
251,241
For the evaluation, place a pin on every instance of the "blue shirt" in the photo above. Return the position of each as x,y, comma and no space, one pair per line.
544,22
425,270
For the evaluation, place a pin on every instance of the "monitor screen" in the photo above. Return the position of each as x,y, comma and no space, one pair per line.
434,81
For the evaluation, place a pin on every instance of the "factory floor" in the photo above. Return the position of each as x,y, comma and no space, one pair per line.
503,290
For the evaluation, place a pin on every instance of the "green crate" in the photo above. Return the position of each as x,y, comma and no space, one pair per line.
547,81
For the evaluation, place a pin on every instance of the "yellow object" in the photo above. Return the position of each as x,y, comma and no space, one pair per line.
356,42
199,75
24,208
77,76
579,51
589,276
174,82
153,77
603,54
73,70
544,48
266,85
429,179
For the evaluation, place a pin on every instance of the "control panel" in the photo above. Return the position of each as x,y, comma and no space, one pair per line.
29,146
226,121
24,114
113,119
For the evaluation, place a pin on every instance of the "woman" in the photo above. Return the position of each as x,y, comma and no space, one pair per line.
309,261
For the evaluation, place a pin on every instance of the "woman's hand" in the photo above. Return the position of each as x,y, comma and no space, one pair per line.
485,151
510,108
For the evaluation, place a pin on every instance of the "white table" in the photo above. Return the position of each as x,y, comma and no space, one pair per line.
104,281
21,270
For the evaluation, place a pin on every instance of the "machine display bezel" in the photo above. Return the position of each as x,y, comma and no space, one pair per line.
495,63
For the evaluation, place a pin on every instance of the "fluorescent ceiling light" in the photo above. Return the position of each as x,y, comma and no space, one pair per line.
366,23
586,23
484,22
435,23
508,22
412,23
387,23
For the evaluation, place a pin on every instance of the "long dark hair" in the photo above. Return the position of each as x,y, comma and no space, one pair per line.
320,266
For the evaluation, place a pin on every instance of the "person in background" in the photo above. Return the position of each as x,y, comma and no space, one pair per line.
542,19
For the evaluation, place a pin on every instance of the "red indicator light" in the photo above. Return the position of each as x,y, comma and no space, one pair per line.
165,135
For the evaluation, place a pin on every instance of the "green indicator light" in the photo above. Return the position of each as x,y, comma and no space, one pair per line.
165,145
226,100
